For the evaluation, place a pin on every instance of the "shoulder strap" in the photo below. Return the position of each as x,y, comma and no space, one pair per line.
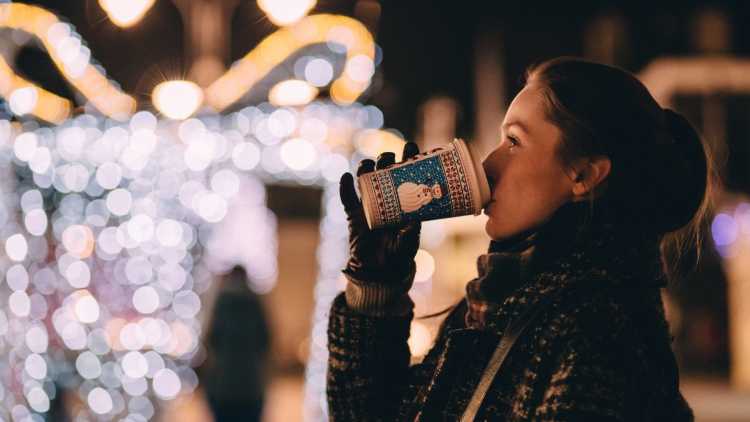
510,335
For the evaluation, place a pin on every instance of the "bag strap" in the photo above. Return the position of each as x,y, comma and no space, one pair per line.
510,335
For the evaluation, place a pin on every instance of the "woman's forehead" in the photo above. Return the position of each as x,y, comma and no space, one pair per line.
527,112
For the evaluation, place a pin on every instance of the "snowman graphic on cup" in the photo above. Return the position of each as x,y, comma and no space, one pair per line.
413,196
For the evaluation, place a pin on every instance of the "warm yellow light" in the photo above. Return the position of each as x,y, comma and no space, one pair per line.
292,92
70,58
278,46
125,13
285,12
177,99
425,266
420,339
372,142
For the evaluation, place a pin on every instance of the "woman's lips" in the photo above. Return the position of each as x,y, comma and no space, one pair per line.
487,207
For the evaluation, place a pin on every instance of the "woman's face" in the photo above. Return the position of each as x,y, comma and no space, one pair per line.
528,182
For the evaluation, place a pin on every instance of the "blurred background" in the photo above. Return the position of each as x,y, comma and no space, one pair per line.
171,231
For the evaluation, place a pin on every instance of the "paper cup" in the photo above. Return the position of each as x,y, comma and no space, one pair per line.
445,182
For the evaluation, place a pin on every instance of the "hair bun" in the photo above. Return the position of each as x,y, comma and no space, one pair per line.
683,170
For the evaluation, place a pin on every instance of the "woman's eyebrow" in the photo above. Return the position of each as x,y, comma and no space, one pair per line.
518,123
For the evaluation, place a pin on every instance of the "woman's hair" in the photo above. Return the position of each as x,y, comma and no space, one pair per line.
662,174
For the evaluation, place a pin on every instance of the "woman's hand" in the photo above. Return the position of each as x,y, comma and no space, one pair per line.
384,254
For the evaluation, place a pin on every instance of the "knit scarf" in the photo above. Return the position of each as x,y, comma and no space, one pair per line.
572,246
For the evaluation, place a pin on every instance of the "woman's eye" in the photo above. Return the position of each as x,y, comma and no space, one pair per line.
513,141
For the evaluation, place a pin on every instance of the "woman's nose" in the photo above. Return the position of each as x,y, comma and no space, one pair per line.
490,166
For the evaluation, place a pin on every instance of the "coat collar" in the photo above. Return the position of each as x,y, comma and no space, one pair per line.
571,248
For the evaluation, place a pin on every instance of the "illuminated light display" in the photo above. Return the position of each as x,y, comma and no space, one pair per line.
70,56
126,13
285,12
341,33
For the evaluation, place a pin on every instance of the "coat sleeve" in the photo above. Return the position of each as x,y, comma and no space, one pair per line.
369,376
368,364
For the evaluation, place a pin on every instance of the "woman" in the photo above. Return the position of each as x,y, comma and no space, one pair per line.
590,177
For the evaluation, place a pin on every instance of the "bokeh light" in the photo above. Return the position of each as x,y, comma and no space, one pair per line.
177,99
126,13
285,12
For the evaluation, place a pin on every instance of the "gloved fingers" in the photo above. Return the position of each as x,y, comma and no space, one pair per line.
409,234
384,160
410,149
365,166
348,194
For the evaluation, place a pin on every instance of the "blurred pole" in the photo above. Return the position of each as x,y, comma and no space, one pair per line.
489,89
437,122
207,30
605,40
712,36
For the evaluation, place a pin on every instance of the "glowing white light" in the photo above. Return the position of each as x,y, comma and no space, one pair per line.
318,72
286,12
141,228
169,232
145,300
172,277
16,246
19,304
134,386
108,241
425,266
36,222
23,100
38,400
138,270
134,365
78,274
125,13
177,99
292,92
155,363
37,339
78,240
166,384
41,160
333,166
199,153
298,154
143,141
282,123
360,68
100,401
186,304
132,337
17,277
225,183
119,201
74,335
212,207
108,175
70,142
86,309
245,156
36,366
88,365
97,342
314,130
419,339
25,146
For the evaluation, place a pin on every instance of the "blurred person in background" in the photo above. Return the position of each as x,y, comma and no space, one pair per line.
597,193
234,375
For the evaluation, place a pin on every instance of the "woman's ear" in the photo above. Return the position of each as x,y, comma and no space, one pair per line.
590,175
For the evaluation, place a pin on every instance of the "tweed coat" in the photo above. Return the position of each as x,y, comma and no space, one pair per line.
599,351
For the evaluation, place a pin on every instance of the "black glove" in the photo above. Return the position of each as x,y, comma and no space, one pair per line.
384,254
